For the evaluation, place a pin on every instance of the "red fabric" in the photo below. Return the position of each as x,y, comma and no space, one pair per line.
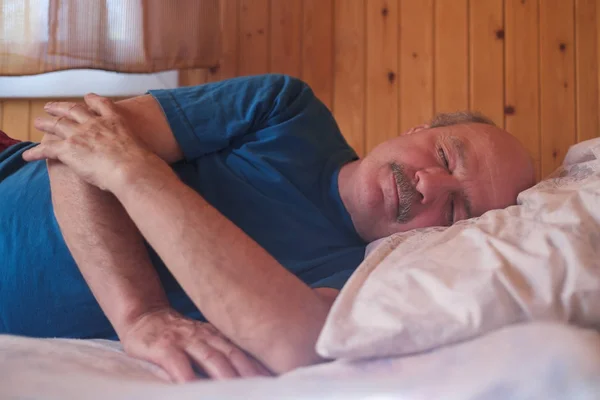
6,142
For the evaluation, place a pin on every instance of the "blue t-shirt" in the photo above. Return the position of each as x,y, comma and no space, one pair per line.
263,150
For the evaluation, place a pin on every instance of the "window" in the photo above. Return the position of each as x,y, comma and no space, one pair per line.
28,28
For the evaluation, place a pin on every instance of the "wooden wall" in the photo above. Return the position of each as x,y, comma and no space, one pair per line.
383,66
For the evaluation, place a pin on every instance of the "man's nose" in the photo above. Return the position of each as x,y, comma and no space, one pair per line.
434,183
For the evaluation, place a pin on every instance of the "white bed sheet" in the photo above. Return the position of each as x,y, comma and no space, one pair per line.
532,361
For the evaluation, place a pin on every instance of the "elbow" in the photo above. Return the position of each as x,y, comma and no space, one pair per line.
295,347
288,358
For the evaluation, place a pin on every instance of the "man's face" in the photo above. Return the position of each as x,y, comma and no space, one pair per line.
435,177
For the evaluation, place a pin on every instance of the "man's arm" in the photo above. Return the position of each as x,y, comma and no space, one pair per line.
240,288
101,237
250,297
109,251
107,247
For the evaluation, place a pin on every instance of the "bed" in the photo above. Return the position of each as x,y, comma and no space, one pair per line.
535,360
506,305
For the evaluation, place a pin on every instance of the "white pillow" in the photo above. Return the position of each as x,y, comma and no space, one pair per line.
539,260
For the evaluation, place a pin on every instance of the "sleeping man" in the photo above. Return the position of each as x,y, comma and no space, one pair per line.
237,203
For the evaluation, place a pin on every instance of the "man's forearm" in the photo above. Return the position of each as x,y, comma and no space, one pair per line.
106,246
238,287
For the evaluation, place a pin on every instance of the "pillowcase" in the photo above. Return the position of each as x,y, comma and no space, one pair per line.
538,260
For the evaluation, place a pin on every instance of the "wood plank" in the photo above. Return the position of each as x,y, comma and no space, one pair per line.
36,109
1,115
15,118
451,56
382,71
557,78
586,64
416,63
486,54
230,35
349,72
522,97
286,29
317,48
254,37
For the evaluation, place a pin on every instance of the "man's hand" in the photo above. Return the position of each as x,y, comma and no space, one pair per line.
94,142
181,345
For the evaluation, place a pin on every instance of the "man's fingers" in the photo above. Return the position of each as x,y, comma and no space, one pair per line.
75,111
101,105
48,137
211,360
244,364
176,363
48,150
59,126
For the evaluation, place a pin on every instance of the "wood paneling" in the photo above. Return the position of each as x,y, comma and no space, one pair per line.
557,81
349,72
486,56
286,34
317,48
530,65
521,88
230,35
16,119
416,63
254,37
382,71
451,89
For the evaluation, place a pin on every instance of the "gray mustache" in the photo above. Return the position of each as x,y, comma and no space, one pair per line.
407,193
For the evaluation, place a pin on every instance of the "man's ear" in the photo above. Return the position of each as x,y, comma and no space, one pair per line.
416,129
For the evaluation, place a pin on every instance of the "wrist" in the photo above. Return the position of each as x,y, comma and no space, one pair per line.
149,173
130,314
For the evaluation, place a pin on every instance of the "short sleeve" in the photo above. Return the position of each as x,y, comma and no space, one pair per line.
335,281
207,118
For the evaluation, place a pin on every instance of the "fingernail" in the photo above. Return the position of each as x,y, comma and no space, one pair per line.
49,104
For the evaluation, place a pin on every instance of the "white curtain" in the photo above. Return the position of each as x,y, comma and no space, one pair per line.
39,36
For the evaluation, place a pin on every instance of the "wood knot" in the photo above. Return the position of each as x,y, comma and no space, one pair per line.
385,11
391,76
214,69
261,31
555,154
500,34
562,47
414,55
509,110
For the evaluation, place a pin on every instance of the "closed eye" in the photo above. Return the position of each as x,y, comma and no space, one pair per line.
450,212
443,157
